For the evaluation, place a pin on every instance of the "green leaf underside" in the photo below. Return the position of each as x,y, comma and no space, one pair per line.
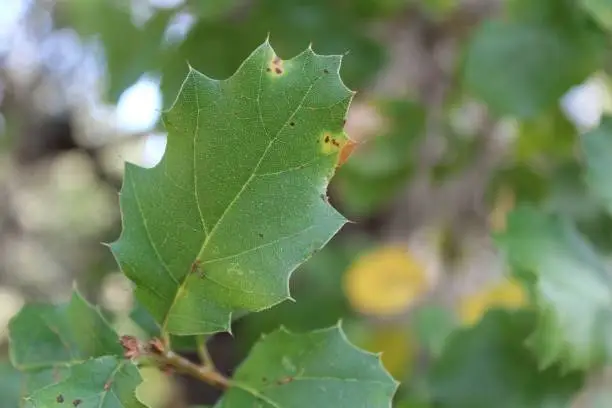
53,336
106,382
571,286
488,366
316,369
238,201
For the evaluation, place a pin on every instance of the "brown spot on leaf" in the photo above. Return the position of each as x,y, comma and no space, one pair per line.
76,402
107,385
195,265
292,124
278,70
326,71
60,399
326,140
268,69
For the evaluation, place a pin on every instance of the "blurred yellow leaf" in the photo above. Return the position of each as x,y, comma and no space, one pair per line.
385,281
397,346
507,294
504,203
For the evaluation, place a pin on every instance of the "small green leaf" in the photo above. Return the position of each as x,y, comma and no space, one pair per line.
571,286
316,369
238,201
523,65
487,366
46,340
106,382
43,336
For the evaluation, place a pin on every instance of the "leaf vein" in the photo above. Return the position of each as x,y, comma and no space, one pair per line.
146,226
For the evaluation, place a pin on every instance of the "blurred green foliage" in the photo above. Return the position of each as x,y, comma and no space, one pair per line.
516,62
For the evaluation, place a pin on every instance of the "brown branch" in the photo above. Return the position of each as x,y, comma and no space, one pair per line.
167,359
205,374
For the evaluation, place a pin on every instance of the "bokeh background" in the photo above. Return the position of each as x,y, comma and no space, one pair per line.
456,124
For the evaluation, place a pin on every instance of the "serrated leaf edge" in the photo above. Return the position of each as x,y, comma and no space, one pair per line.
75,292
265,44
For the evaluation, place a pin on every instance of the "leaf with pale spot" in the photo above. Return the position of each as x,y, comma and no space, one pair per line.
316,369
105,382
238,200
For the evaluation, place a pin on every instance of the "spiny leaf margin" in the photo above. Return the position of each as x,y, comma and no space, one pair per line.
180,300
317,368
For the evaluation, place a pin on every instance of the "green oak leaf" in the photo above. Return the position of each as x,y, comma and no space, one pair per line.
488,366
316,369
48,335
105,382
238,200
46,340
571,286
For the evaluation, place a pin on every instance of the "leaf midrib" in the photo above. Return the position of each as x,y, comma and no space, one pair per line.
209,236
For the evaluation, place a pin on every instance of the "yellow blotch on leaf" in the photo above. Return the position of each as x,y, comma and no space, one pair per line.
505,294
385,281
332,142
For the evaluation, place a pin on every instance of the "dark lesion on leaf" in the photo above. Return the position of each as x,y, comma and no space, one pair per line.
291,124
260,235
196,266
326,71
60,399
76,402
276,66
